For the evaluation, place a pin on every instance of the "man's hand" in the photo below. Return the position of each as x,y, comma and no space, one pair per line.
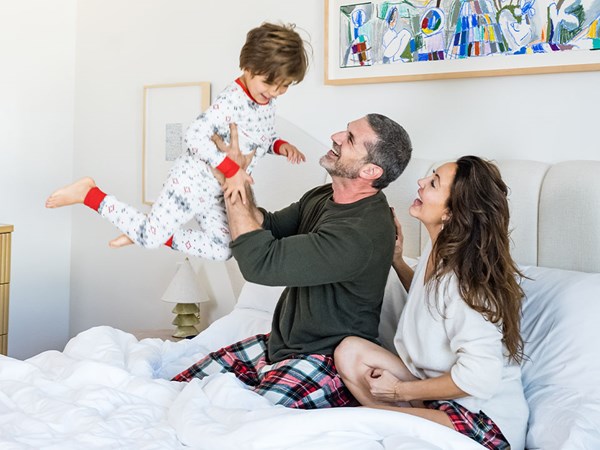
292,153
234,186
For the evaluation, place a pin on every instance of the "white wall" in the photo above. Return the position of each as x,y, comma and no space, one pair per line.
37,57
122,45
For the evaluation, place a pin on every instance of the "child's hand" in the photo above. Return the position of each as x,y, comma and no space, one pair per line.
292,154
235,186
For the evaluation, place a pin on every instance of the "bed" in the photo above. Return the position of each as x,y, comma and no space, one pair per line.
106,389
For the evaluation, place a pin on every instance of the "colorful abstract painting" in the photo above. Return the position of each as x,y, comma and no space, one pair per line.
406,32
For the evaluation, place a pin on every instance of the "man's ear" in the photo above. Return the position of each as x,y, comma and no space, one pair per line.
371,171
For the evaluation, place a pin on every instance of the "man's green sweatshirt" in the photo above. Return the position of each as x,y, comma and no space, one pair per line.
333,258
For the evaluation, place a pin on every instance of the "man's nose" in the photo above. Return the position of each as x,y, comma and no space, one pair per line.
338,137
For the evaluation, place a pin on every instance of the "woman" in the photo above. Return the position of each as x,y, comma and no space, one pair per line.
458,338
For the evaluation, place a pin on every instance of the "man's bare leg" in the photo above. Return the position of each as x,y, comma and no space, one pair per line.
120,241
72,194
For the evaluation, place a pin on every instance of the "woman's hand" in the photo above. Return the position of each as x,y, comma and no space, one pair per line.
405,273
384,386
399,244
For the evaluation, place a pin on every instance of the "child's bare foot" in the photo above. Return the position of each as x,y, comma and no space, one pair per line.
72,194
120,241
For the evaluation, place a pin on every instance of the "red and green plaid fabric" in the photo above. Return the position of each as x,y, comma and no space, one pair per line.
305,381
478,427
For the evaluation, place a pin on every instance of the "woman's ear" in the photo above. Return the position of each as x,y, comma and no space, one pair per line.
371,171
446,216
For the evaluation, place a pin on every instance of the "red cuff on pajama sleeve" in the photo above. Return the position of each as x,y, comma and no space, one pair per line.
228,167
278,143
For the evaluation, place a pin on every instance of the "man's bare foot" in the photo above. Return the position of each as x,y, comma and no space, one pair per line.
120,241
72,194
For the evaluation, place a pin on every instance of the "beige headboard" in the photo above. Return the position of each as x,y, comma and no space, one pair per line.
555,208
555,211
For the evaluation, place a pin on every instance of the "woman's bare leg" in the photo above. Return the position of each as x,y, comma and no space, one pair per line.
356,359
430,414
120,241
72,194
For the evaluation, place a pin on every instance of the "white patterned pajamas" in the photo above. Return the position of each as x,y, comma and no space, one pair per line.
191,191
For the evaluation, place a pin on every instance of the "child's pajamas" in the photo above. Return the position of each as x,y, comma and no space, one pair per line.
191,191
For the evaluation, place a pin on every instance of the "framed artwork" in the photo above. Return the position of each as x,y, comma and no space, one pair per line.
168,111
385,41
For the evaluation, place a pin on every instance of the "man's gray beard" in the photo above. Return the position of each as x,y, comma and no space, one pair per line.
335,171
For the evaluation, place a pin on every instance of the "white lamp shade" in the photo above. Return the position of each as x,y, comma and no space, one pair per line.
184,287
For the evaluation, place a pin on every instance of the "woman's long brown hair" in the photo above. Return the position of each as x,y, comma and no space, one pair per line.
474,244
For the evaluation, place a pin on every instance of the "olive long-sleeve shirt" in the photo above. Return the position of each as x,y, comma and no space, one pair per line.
333,258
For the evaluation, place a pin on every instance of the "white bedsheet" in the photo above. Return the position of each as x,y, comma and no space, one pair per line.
107,390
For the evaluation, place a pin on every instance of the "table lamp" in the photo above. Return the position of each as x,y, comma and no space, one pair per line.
186,292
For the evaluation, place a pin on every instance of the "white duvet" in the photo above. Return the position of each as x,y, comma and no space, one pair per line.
109,390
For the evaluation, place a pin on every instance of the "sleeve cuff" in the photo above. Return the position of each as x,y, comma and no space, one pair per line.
228,167
278,143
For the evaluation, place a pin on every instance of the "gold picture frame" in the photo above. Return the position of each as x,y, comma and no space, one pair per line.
414,50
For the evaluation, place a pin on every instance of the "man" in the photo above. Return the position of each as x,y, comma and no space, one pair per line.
333,249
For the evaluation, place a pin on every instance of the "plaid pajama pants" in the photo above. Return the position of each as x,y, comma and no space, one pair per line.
305,381
478,427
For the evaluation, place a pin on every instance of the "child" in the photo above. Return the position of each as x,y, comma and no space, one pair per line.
273,58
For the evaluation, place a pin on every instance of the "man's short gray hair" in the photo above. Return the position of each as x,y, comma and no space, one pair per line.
391,151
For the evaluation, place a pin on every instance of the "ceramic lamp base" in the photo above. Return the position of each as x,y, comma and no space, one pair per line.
185,332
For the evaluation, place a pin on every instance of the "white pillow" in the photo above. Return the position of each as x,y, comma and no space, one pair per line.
562,419
561,333
233,327
560,326
394,299
259,297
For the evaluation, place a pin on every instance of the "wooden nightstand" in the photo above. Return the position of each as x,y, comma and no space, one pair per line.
164,334
5,237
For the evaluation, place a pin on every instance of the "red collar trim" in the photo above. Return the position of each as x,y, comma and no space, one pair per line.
239,82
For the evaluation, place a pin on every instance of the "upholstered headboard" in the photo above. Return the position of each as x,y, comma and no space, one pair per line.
555,208
555,211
